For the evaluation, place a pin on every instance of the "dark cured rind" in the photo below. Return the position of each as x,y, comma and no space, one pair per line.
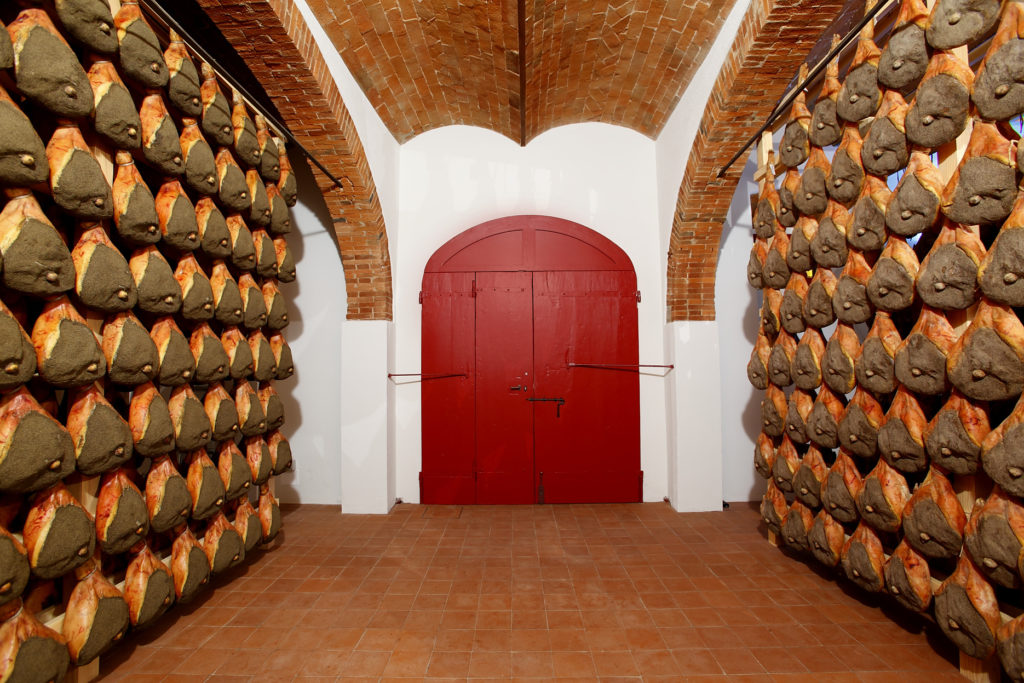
907,45
885,149
233,192
283,463
216,121
242,362
791,311
175,499
995,550
837,499
47,70
71,357
135,352
972,634
89,22
17,355
180,229
806,487
825,128
1010,648
861,570
129,525
775,273
158,598
921,354
36,251
949,434
269,534
18,138
992,183
798,256
37,442
211,494
14,570
875,367
818,306
164,150
177,366
829,247
138,221
215,238
106,432
109,623
822,428
139,51
940,540
818,544
856,423
6,48
793,148
116,116
811,182
806,372
281,221
1007,454
881,515
793,533
70,541
198,303
913,197
837,371
958,22
183,89
212,363
772,422
896,578
200,165
193,429
255,311
198,575
229,551
861,82
237,485
795,427
1006,257
156,285
957,274
158,437
243,251
1003,369
946,100
253,532
846,177
891,287
80,185
225,422
39,659
1003,68
285,367
867,227
106,277
850,301
899,448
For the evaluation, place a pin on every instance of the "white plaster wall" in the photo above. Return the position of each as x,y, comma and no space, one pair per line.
601,176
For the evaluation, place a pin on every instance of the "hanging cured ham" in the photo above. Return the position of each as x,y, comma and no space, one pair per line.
807,480
204,485
846,176
787,462
270,514
933,519
115,117
150,421
88,22
984,185
958,22
176,363
216,112
905,55
222,544
755,265
77,182
18,356
810,351
269,166
232,190
757,366
252,420
243,249
211,358
1002,455
247,524
46,70
221,411
780,360
794,147
764,455
954,436
214,236
139,49
914,205
191,426
280,219
227,298
103,279
272,406
280,452
200,166
875,369
823,424
994,538
266,257
30,651
999,89
22,154
825,129
860,94
134,206
130,352
800,405
189,566
59,533
1010,647
14,569
795,527
35,450
891,285
939,112
987,361
148,589
883,498
818,302
842,488
158,291
838,366
161,145
787,213
196,292
908,578
862,559
183,78
859,424
1001,273
966,610
122,519
240,361
102,438
264,365
36,261
234,470
247,146
811,196
921,357
168,500
770,312
287,183
177,217
901,437
67,351
773,411
829,246
867,224
826,539
286,262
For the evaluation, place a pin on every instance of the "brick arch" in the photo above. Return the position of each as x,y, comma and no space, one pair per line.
773,39
275,42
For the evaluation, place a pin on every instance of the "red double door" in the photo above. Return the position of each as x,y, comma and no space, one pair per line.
543,406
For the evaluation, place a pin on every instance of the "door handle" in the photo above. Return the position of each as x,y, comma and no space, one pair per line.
515,388
559,402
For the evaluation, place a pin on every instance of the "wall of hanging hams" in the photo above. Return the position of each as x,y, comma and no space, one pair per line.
142,243
891,347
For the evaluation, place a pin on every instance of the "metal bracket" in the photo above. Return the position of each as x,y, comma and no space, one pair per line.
559,401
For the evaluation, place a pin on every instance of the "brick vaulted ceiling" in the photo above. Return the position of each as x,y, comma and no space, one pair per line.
520,67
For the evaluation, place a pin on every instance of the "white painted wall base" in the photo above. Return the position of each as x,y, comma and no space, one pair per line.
695,461
364,417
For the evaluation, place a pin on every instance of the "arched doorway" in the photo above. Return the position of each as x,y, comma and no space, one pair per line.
530,391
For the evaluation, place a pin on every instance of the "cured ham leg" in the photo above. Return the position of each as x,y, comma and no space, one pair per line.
863,558
842,489
189,566
808,479
35,259
954,436
846,176
810,352
204,485
825,127
826,539
914,205
850,300
787,461
59,533
222,544
901,437
280,452
234,470
773,508
875,369
96,616
966,610
948,278
859,424
122,519
800,405
841,354
1001,270
933,519
891,285
987,362
939,112
102,438
796,526
150,421
908,578
175,360
921,358
248,525
883,498
168,500
905,55
35,450
270,514
780,360
148,589
30,651
994,538
764,455
68,354
860,94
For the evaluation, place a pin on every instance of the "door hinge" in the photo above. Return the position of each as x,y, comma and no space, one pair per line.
638,296
421,296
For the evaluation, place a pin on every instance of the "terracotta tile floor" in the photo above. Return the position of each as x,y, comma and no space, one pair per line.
585,592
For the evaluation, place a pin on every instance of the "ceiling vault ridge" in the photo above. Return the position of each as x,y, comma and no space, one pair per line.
521,22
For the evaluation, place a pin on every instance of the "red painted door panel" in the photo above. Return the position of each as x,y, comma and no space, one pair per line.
588,450
449,425
504,363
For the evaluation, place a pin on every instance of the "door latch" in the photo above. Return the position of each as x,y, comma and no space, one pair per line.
558,401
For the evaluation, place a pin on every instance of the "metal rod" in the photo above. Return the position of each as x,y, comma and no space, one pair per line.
782,106
157,8
618,365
